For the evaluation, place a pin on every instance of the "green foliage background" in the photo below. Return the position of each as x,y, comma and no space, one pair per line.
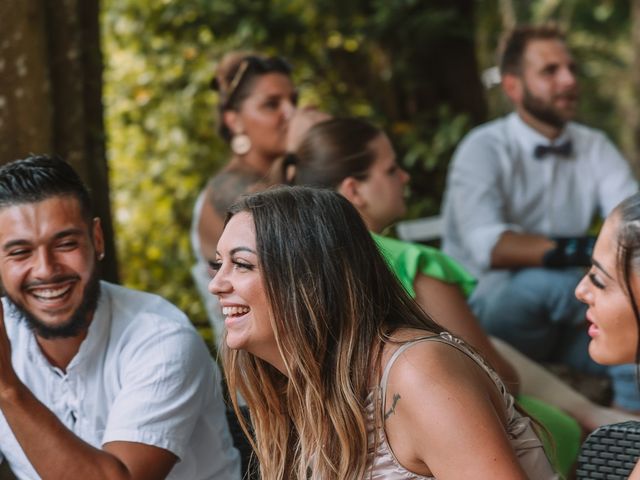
393,62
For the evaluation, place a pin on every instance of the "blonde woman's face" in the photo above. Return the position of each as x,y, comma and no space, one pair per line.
612,324
238,283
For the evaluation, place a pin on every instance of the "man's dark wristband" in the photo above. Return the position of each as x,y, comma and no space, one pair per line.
570,252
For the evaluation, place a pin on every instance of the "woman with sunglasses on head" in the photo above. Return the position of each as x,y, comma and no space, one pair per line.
357,159
257,116
344,374
611,289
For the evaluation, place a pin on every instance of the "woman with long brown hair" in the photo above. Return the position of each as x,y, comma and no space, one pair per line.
344,374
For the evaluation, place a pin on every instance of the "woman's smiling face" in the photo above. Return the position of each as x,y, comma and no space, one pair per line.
612,324
237,281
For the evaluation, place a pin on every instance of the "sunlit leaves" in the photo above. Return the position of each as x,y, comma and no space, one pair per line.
350,58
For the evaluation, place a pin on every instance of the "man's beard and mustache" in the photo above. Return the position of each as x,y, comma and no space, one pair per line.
78,320
544,111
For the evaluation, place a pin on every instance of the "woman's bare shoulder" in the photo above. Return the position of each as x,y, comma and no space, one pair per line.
425,362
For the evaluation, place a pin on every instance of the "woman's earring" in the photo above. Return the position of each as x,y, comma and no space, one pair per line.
240,144
100,256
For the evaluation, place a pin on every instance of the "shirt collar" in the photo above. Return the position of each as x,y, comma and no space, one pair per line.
528,138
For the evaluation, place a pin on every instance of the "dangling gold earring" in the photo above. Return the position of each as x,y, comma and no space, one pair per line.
240,144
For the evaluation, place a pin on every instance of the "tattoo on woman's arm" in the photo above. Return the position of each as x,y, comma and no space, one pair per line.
392,410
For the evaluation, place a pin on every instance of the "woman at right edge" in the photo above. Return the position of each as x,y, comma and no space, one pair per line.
611,290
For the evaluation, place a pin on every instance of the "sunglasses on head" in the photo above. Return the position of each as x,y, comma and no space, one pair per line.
249,66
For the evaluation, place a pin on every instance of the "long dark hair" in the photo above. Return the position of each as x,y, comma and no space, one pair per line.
333,302
628,254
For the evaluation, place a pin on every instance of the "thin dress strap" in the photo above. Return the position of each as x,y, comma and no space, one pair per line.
446,338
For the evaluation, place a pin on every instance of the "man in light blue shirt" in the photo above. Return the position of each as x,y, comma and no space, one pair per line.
522,192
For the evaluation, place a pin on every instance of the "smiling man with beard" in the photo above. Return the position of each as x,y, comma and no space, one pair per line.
522,192
76,322
96,381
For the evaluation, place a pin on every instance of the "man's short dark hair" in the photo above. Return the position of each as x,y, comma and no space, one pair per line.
515,42
40,177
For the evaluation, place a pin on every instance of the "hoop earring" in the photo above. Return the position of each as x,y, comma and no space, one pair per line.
240,144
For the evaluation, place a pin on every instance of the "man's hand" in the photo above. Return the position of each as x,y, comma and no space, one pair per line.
518,250
50,446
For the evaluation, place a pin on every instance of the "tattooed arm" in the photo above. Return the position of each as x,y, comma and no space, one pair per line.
222,191
445,417
392,409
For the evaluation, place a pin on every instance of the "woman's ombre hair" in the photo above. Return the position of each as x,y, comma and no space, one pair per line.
333,304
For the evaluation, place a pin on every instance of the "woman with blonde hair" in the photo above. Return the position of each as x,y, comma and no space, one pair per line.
344,375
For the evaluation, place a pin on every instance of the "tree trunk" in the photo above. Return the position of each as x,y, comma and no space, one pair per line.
51,93
25,109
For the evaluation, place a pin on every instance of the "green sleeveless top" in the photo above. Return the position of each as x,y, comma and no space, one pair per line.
407,259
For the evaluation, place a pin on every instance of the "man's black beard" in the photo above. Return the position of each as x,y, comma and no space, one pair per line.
75,324
542,111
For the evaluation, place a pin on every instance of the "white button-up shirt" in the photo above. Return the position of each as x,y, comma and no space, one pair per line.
142,374
496,184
